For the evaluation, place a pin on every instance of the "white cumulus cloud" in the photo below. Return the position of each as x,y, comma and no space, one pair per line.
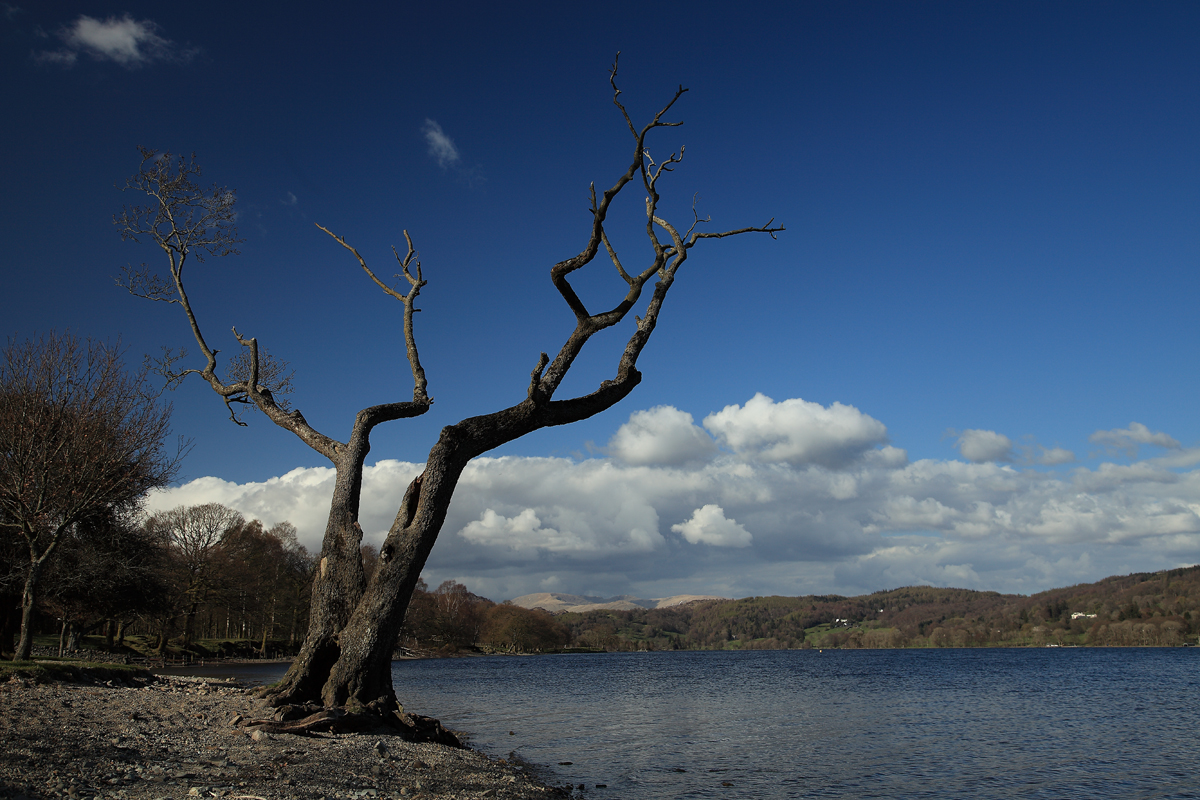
796,431
523,530
662,435
709,525
874,520
441,146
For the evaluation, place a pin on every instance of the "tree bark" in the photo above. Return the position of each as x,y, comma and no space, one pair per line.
337,587
28,602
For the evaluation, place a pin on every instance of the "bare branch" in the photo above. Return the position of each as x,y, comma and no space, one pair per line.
415,285
767,229
666,261
182,219
612,80
535,377
695,216
612,254
146,284
273,374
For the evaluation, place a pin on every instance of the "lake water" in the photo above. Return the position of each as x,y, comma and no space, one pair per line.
975,723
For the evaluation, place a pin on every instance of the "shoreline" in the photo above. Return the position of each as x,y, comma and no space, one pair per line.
174,736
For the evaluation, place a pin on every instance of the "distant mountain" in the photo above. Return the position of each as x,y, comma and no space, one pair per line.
557,602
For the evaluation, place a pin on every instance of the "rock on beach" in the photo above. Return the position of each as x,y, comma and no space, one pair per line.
176,737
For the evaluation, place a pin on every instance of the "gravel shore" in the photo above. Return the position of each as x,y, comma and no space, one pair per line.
173,737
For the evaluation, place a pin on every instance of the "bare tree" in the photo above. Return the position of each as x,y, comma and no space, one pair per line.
194,536
105,568
346,658
78,435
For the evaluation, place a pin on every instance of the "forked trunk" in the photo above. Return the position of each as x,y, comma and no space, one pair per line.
350,664
363,671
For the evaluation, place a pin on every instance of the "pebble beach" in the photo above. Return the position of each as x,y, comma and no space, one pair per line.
174,737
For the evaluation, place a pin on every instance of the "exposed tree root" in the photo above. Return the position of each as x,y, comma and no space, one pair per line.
378,718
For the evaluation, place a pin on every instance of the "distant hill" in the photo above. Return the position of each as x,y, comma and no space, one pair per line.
557,602
1160,608
1142,609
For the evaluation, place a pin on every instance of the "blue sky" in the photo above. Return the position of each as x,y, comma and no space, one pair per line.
975,344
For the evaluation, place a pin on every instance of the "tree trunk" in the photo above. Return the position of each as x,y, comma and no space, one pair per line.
189,624
363,671
337,589
351,664
164,630
28,600
295,624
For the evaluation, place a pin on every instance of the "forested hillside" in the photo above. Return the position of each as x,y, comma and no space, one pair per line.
1141,609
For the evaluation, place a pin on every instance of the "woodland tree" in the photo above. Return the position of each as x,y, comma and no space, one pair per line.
106,568
193,536
228,577
346,658
523,630
265,571
79,437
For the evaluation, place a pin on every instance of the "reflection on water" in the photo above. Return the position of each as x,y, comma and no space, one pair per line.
1025,723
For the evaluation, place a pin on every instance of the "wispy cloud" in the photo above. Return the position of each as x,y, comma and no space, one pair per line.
1128,440
666,513
441,146
1051,456
125,41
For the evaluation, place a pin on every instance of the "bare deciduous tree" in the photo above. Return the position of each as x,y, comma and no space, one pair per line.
193,536
78,435
106,567
346,658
